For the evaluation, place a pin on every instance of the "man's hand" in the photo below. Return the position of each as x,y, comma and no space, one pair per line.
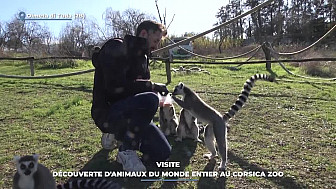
161,88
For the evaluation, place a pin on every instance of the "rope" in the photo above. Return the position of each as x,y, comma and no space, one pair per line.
276,54
310,46
45,58
64,57
308,82
215,28
258,61
156,51
253,54
306,77
19,58
291,73
46,76
247,60
213,58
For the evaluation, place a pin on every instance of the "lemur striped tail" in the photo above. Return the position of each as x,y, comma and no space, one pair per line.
89,183
244,94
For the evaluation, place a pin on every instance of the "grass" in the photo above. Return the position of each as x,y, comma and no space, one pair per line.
287,127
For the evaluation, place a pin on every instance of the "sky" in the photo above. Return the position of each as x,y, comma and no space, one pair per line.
190,15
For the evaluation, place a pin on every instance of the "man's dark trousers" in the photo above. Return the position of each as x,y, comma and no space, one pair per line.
133,117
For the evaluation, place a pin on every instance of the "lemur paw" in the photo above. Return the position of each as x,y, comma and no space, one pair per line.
198,140
178,139
167,133
222,167
210,156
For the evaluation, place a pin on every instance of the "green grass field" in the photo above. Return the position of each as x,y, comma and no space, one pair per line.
285,127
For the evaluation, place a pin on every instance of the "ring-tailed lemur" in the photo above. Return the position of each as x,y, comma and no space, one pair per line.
217,123
168,119
89,183
31,174
187,127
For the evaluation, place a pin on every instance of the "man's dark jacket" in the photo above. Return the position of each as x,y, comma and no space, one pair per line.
119,66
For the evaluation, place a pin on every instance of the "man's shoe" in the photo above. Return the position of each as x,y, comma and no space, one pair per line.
130,161
108,141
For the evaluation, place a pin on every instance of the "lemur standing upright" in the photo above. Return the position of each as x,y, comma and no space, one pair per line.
217,123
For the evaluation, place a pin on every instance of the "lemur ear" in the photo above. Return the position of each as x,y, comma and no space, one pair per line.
181,85
16,159
36,156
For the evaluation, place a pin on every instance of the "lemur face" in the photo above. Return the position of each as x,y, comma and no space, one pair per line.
26,165
179,89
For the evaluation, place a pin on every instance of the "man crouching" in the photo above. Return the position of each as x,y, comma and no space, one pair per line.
125,100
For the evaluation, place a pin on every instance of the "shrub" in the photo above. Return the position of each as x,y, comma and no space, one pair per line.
320,69
57,64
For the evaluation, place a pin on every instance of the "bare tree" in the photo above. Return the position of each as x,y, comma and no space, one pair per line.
100,34
119,24
76,37
15,31
25,35
2,36
47,37
33,37
164,16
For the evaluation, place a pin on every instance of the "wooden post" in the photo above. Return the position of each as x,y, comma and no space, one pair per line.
265,48
31,63
167,62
